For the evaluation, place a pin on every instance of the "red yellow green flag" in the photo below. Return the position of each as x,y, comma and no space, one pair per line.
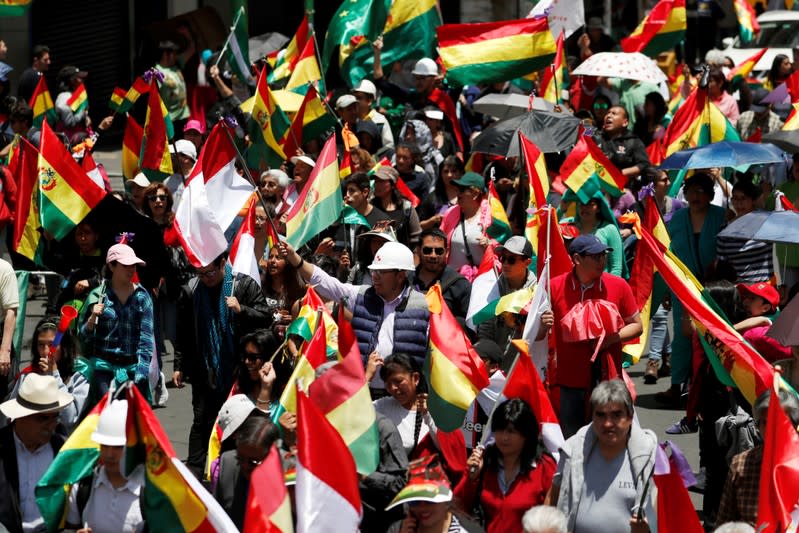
306,70
79,100
268,502
267,126
27,238
488,52
131,148
454,371
748,26
738,75
155,160
171,496
587,169
117,99
320,202
282,62
14,8
67,193
42,104
138,88
660,31
697,123
556,75
500,225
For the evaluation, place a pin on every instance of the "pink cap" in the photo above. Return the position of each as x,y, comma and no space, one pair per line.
124,255
194,124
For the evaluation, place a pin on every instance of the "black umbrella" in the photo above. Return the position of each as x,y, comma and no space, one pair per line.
787,140
549,130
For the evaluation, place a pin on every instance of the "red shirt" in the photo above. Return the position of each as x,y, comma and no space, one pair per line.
574,358
503,512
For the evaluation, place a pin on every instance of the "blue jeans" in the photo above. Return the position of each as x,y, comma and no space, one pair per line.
659,342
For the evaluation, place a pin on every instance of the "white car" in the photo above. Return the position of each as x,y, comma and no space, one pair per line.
779,32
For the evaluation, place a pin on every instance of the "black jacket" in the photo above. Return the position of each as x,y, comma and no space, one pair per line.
455,288
254,315
10,513
624,151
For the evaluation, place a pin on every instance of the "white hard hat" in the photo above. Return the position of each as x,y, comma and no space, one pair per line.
425,67
391,256
366,87
111,425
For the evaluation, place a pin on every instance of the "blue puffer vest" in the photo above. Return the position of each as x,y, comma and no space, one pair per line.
411,320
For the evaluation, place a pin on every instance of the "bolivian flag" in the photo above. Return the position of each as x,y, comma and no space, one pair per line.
42,104
499,229
306,71
489,52
454,371
309,122
67,193
79,99
138,88
282,62
27,237
556,75
738,75
75,461
514,302
131,148
661,30
117,99
155,160
308,315
267,126
748,26
320,202
587,166
342,395
697,123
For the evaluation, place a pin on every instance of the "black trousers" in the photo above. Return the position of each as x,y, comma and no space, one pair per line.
206,403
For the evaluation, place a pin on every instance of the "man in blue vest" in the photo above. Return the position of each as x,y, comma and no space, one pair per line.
390,316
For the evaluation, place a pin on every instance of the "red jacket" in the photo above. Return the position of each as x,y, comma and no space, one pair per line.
503,513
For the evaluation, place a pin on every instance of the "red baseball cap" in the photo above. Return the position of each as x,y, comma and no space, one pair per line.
762,290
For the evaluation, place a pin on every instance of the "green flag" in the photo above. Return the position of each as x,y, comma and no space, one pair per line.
354,22
350,216
238,48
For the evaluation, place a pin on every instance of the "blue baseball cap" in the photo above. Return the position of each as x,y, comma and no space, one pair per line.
588,244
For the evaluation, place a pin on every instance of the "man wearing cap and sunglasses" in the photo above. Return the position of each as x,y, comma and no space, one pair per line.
27,447
516,256
577,374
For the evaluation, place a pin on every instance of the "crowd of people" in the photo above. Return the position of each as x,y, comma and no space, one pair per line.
428,215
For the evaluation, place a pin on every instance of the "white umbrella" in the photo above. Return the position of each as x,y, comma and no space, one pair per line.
509,105
630,66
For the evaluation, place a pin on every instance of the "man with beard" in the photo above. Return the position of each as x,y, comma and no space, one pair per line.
433,269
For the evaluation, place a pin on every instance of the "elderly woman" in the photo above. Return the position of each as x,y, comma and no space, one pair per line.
611,447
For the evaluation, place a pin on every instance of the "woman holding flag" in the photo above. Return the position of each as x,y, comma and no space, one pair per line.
510,476
72,105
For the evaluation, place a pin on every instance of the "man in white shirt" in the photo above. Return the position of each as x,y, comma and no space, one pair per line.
27,447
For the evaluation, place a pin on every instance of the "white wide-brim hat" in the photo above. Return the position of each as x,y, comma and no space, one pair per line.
37,394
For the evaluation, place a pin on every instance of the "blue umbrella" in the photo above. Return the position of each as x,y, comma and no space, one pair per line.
724,154
767,226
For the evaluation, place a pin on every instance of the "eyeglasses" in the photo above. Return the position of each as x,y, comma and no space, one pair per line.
509,259
247,461
208,273
247,356
161,197
428,250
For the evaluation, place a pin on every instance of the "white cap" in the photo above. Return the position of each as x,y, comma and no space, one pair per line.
111,425
233,413
434,114
305,159
393,255
345,101
184,147
141,180
425,67
366,87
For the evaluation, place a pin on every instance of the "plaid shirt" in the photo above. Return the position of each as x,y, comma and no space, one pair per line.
739,499
125,330
748,124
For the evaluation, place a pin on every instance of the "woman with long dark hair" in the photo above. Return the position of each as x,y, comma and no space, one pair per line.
444,196
511,475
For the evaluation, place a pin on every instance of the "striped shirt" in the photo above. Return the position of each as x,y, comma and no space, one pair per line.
752,260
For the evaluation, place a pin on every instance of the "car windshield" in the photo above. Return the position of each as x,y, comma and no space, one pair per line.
775,34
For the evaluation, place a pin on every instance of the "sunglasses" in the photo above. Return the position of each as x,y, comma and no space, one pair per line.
247,356
154,197
208,273
428,250
509,259
601,106
247,461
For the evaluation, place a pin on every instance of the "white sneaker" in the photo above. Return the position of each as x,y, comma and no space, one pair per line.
161,392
